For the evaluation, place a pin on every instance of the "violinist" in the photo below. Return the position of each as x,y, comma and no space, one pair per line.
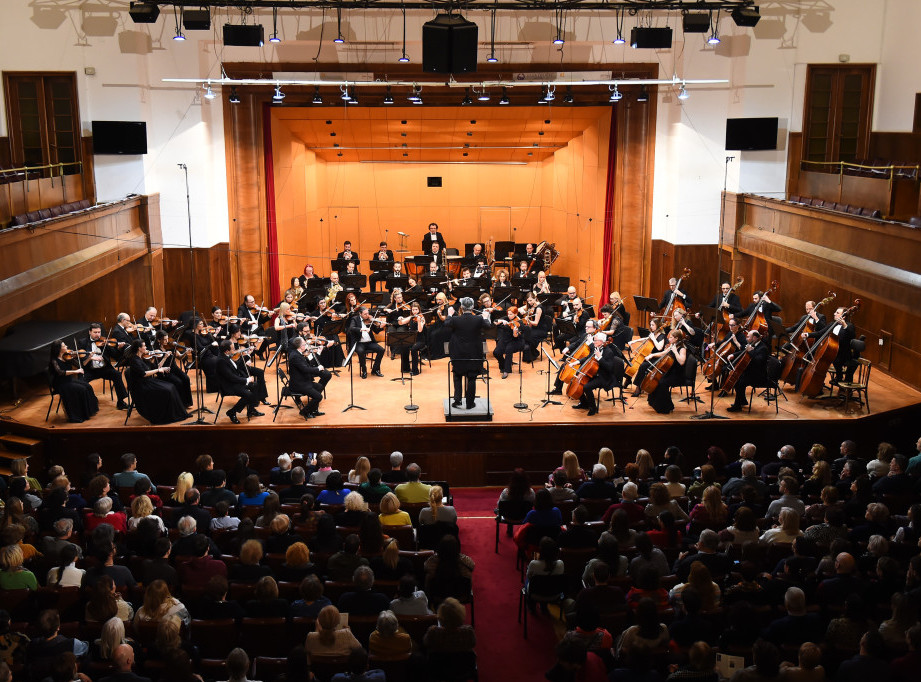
576,342
218,323
812,313
415,321
67,378
289,298
486,303
508,340
322,316
347,254
145,327
541,286
96,363
846,332
610,372
207,352
658,339
396,308
330,351
617,332
173,360
736,341
155,399
439,334
727,300
236,381
537,324
432,238
253,316
351,305
122,332
298,291
617,306
673,293
383,255
762,300
692,337
304,370
577,315
361,334
660,399
285,324
245,362
756,372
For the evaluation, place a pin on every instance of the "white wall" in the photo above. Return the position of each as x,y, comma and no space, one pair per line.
766,68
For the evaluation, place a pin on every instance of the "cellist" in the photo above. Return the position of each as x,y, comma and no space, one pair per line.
659,398
812,313
735,340
574,344
762,300
755,373
674,293
610,373
727,300
657,339
843,362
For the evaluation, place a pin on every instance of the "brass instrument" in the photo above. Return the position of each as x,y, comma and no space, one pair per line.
331,294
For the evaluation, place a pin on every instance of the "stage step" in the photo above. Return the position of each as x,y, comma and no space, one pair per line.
21,444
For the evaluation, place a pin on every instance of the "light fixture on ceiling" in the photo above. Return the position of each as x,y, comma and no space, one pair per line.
177,14
403,58
388,98
619,21
491,59
568,96
483,96
234,98
279,96
415,94
316,96
345,92
683,93
339,39
714,38
644,95
616,95
560,20
466,101
209,93
504,99
274,38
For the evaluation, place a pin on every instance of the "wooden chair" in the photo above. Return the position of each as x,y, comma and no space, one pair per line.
324,667
267,668
214,638
858,385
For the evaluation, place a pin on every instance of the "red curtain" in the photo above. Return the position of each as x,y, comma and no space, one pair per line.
271,227
607,242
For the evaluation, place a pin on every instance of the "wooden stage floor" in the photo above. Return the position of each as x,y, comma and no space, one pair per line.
489,449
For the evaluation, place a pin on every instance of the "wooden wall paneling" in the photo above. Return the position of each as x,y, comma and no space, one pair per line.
88,169
212,279
794,156
6,155
896,147
219,276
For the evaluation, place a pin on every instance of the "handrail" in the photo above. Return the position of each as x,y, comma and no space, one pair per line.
843,164
59,166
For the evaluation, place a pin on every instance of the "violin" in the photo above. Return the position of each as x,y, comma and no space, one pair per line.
75,354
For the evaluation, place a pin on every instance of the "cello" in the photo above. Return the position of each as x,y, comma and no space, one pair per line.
581,376
573,363
675,301
757,320
718,358
822,353
659,369
798,346
712,335
639,356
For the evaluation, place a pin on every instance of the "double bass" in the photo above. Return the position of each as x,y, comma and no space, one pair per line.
721,321
822,354
676,301
796,350
757,320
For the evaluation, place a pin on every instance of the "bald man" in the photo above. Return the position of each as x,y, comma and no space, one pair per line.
123,658
834,591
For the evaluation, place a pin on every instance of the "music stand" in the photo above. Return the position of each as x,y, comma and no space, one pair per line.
467,290
348,361
355,282
339,265
558,283
550,361
646,305
430,282
401,339
547,298
392,282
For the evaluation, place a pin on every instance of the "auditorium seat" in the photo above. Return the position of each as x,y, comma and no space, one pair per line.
264,636
214,638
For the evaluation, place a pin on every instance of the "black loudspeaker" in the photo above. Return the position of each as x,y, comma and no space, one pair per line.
143,13
244,35
651,38
696,23
196,19
746,16
449,44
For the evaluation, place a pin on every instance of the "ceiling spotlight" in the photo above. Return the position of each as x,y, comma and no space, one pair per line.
316,96
339,39
234,98
403,58
179,36
683,92
388,98
177,15
619,40
209,93
274,38
418,99
714,38
619,19
483,96
616,95
279,96
558,40
568,96
549,94
543,96
492,59
504,99
466,101
644,95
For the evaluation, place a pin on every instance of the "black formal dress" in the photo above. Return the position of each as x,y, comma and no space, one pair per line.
439,334
207,354
101,367
178,377
533,335
644,366
660,399
466,350
155,399
77,396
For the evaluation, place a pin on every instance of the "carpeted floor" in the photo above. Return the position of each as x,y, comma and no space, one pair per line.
502,651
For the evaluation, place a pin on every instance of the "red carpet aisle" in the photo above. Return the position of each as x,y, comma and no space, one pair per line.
502,651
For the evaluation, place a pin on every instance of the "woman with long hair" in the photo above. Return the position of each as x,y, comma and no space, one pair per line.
184,482
786,531
710,513
606,457
660,501
159,605
570,466
389,565
518,488
359,474
105,602
330,638
142,508
67,379
437,511
821,477
66,573
111,637
701,580
271,507
443,569
646,467
156,400
665,533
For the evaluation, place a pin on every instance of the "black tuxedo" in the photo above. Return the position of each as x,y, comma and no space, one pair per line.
818,326
146,332
380,275
363,347
466,350
756,372
427,242
234,382
303,372
768,308
121,337
611,368
735,304
667,297
578,322
105,371
844,361
252,321
352,255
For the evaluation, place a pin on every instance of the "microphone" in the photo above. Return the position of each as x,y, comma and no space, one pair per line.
182,166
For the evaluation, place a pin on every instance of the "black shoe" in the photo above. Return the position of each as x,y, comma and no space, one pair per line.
417,372
709,387
317,413
470,406
580,406
189,415
254,413
734,408
307,415
121,405
364,374
265,401
556,391
637,393
592,412
722,394
233,417
377,373
505,375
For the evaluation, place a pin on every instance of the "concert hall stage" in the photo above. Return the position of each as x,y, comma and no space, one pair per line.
464,453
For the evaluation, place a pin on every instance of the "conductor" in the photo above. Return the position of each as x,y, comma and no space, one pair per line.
466,349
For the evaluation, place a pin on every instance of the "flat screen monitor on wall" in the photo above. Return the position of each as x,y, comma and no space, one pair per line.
750,134
119,137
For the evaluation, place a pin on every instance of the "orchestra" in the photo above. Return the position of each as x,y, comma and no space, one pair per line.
154,361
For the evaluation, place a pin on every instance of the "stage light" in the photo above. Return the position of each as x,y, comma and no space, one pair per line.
746,16
345,93
234,98
177,15
683,93
415,95
316,96
616,95
714,39
466,101
279,96
644,95
353,96
483,96
143,12
568,96
404,59
274,38
209,93
549,95
339,39
619,20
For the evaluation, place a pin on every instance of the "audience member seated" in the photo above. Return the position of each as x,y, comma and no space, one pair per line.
186,544
577,533
142,508
664,531
222,519
647,555
312,600
447,571
787,529
160,605
49,643
437,511
341,565
748,476
253,495
869,664
373,489
450,635
196,572
647,636
410,601
701,581
214,604
561,491
797,625
389,565
281,475
707,553
363,600
905,668
389,641
249,569
412,492
598,487
789,497
297,565
298,486
265,602
102,513
608,554
766,667
330,638
660,501
390,511
691,627
575,475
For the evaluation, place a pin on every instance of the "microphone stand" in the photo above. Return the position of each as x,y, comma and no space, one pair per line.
348,361
710,414
520,405
199,386
547,399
